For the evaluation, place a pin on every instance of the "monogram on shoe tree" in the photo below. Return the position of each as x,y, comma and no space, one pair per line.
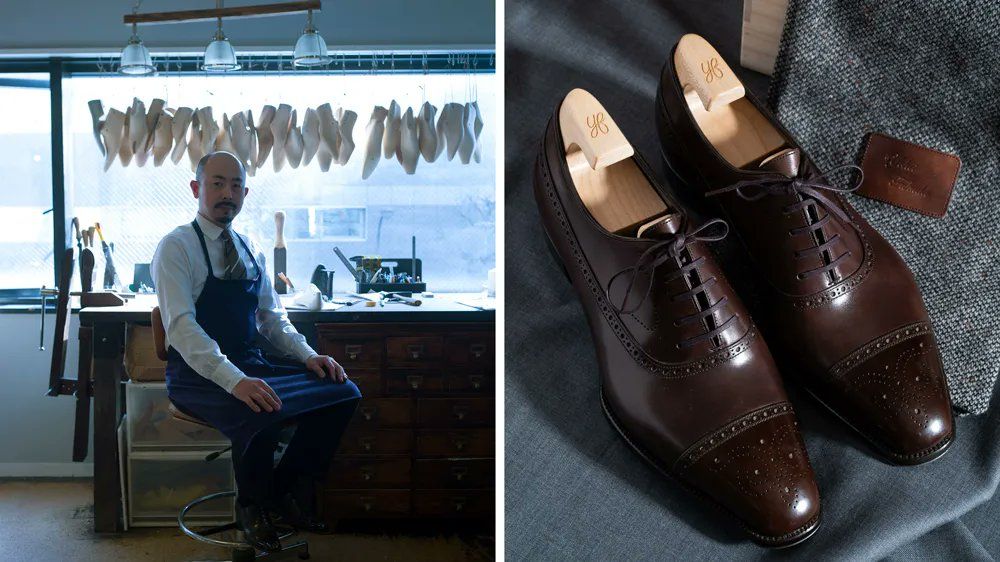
840,308
325,134
685,377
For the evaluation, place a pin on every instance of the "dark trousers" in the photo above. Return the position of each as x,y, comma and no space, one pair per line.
308,455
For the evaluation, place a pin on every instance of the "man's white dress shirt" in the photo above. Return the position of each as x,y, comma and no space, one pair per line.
179,272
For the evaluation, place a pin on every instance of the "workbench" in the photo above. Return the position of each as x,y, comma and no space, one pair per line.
416,360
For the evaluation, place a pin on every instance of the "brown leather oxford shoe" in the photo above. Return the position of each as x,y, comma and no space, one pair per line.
840,309
685,376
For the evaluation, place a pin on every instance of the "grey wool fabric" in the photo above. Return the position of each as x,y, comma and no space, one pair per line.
574,490
923,72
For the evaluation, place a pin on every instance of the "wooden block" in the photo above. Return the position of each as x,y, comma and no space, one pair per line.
763,23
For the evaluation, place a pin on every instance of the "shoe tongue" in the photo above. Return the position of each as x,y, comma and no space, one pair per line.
663,226
784,161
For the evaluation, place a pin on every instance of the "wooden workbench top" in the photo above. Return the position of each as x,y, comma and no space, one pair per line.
444,307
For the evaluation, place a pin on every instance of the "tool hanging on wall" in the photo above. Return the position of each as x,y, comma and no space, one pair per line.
87,261
111,281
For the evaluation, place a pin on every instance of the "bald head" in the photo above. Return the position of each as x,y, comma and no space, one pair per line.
199,173
219,187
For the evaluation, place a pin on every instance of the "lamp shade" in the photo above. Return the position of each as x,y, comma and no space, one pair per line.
310,50
220,56
135,58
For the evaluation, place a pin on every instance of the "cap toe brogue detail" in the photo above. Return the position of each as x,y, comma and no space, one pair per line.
897,385
761,456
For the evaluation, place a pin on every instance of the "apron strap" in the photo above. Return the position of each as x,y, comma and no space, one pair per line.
204,248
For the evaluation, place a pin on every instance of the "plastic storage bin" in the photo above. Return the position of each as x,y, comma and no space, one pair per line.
151,427
161,483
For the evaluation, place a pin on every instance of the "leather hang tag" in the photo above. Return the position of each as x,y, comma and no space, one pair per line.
907,175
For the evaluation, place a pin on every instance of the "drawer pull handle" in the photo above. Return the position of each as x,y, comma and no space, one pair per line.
460,444
415,381
366,475
477,350
367,503
476,381
367,443
353,351
459,503
460,412
459,472
415,350
368,412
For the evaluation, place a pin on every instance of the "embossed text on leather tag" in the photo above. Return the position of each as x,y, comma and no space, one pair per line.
908,175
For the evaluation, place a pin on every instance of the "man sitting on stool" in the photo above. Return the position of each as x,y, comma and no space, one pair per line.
215,294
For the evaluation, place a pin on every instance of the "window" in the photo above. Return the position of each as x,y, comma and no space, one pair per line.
26,200
448,206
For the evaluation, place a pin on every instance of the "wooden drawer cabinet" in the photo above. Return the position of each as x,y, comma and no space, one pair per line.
455,443
455,412
351,352
414,350
382,413
421,443
414,382
453,473
365,503
475,383
369,381
453,503
472,350
376,442
360,472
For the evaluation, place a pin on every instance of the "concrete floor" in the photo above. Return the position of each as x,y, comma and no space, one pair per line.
43,520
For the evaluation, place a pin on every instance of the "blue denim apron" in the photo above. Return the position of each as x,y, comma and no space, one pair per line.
227,311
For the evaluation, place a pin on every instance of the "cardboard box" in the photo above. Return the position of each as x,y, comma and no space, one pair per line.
141,362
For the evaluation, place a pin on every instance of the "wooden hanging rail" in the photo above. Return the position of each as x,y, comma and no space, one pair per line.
284,8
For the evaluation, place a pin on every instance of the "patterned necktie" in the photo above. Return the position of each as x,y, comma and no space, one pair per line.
234,266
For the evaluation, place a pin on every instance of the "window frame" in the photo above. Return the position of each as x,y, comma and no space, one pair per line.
482,61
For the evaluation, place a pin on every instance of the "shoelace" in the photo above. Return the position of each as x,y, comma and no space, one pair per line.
670,249
812,188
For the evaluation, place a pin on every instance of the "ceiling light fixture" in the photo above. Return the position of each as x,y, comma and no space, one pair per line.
219,55
310,49
135,58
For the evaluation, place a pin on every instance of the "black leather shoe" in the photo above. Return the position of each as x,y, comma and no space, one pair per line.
257,527
294,514
297,507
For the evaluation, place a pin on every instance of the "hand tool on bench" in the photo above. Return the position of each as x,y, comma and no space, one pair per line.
280,254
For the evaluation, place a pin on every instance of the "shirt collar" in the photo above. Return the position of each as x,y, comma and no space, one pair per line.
210,229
